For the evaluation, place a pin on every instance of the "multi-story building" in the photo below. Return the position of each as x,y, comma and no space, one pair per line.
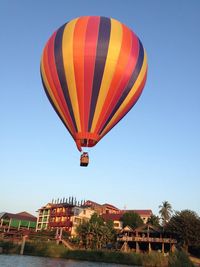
67,214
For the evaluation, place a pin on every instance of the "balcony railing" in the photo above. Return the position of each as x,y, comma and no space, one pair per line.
59,214
147,239
60,224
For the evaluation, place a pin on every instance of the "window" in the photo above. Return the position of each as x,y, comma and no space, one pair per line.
76,211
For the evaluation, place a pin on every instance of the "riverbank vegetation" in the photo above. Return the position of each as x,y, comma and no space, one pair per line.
51,249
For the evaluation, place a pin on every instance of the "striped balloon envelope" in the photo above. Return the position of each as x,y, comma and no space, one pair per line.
93,71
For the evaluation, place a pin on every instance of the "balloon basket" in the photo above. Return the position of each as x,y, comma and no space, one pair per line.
84,159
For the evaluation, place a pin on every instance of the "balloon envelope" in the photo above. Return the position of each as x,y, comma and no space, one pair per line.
93,71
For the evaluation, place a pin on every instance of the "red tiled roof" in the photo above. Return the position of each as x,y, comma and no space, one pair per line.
117,217
20,217
110,206
26,214
111,216
140,212
90,203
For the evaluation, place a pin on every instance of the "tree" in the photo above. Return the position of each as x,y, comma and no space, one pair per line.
165,212
186,226
96,233
132,219
154,220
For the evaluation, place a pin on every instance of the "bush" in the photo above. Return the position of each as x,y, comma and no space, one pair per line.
45,249
154,259
180,259
104,256
10,247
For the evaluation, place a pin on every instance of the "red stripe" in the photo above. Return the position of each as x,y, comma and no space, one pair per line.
89,63
78,55
127,71
55,83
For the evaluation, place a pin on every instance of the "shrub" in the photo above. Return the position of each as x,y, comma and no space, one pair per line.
154,259
180,259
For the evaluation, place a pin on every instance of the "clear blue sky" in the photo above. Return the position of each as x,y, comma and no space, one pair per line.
151,156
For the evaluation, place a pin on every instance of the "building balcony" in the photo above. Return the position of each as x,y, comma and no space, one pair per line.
60,224
61,214
146,239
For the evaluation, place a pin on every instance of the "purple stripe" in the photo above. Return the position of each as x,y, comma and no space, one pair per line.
61,71
129,86
101,54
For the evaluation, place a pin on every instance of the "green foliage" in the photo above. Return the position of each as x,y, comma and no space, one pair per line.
131,219
154,259
154,220
186,225
104,256
165,212
43,235
9,247
96,233
180,259
45,249
96,219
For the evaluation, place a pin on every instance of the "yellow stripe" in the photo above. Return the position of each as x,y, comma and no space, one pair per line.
67,50
110,66
51,94
130,95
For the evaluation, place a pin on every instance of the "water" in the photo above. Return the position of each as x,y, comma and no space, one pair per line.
30,261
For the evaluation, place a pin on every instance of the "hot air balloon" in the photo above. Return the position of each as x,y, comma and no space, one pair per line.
93,71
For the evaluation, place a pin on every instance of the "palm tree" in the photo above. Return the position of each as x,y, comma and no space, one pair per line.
165,212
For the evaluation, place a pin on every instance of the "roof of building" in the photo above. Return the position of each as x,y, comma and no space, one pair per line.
1,214
140,212
110,206
117,217
91,203
26,214
20,216
112,216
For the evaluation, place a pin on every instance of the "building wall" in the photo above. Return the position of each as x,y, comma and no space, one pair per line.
80,215
43,218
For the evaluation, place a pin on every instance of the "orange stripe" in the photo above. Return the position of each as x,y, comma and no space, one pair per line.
118,75
78,55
